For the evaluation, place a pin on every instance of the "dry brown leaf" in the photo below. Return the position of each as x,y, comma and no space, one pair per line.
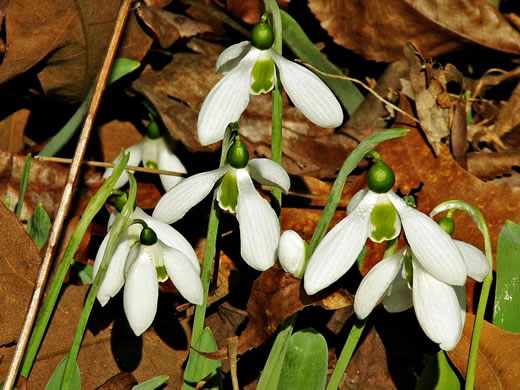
169,27
498,366
378,30
12,131
66,42
490,165
121,381
19,264
509,115
116,135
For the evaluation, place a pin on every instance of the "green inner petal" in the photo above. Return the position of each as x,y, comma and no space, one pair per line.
151,164
162,275
229,192
383,220
262,76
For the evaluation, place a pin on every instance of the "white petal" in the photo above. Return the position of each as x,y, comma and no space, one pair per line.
375,284
168,161
226,101
461,296
169,236
136,153
114,276
355,200
231,57
259,225
292,253
477,264
339,248
267,172
309,93
181,198
433,247
141,291
398,297
183,275
437,308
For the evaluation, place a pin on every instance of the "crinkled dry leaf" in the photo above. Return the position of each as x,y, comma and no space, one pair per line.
509,115
116,135
498,366
490,165
378,30
67,42
12,131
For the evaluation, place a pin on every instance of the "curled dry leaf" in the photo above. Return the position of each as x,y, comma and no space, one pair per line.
490,165
65,43
12,131
498,366
378,30
509,115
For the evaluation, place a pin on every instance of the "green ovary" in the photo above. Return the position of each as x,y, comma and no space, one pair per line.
262,76
383,220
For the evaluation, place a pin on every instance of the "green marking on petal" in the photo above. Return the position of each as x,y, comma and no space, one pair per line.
383,220
162,275
408,268
262,76
151,164
228,192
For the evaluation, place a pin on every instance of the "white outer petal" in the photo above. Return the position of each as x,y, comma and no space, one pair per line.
267,172
183,275
231,57
461,296
398,297
292,253
339,248
141,291
136,154
181,198
169,236
433,247
375,284
168,161
226,101
437,308
309,93
259,225
477,264
354,201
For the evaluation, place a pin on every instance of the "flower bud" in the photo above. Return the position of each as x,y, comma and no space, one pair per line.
292,252
262,36
153,131
380,178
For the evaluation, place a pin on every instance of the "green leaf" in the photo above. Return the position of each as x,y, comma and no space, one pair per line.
439,375
199,367
38,226
55,380
84,271
273,366
302,47
121,67
507,293
152,384
24,182
306,362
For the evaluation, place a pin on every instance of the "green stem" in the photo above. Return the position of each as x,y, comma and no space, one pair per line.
95,204
117,230
23,184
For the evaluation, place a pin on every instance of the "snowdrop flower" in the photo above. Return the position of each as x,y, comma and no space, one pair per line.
259,225
143,257
292,253
155,153
378,213
249,68
440,307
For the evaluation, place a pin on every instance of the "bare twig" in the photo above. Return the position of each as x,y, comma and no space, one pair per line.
382,99
67,194
109,165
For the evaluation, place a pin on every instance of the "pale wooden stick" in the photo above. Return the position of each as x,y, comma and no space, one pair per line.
67,195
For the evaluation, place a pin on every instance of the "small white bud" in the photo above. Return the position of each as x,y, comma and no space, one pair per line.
292,252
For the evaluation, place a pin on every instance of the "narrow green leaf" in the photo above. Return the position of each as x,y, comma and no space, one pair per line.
199,367
121,67
302,47
439,375
84,271
507,293
273,366
306,361
55,380
23,184
38,226
152,384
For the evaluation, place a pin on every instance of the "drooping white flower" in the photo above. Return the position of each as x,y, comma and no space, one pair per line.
379,217
259,225
251,70
140,267
440,307
292,253
154,153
